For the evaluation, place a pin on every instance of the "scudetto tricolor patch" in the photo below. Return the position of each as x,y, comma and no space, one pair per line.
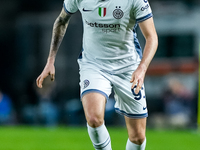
102,11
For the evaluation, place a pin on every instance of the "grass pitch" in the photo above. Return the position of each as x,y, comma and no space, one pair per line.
76,138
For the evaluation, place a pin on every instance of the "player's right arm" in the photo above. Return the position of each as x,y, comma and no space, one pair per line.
59,29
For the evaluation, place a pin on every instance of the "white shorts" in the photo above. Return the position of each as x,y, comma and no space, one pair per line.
92,79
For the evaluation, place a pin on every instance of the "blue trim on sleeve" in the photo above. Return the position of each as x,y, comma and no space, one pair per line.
95,91
137,45
131,115
144,18
67,10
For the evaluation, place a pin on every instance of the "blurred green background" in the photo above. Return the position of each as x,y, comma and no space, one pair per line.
70,138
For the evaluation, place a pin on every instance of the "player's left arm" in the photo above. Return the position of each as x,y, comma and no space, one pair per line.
149,32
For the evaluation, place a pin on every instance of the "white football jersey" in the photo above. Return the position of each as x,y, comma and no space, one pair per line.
109,38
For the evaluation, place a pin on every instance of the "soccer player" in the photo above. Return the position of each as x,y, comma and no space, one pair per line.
111,58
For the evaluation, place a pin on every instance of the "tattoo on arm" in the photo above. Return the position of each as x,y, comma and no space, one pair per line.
58,32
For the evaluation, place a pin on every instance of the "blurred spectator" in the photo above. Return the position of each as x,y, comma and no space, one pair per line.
6,110
178,104
45,111
178,107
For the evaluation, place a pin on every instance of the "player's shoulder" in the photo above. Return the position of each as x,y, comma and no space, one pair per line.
141,6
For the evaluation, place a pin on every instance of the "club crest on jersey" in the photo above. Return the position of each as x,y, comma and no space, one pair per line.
85,83
118,13
102,11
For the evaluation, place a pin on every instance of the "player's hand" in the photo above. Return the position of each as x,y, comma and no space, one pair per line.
48,70
138,78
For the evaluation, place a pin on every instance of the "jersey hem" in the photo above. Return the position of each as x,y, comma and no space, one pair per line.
135,116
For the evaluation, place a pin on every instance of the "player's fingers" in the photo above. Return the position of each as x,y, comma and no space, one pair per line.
52,77
37,80
132,78
137,89
40,81
134,81
139,86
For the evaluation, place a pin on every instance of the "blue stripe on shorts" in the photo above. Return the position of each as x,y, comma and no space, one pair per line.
131,115
95,91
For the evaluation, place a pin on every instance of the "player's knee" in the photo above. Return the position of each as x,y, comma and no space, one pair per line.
137,138
95,121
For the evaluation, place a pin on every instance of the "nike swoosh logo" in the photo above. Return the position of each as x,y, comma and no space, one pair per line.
144,108
86,9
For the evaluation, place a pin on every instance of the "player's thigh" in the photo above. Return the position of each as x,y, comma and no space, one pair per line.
94,108
136,128
94,104
93,80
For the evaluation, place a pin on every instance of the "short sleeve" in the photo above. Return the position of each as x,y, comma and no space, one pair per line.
70,6
142,10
